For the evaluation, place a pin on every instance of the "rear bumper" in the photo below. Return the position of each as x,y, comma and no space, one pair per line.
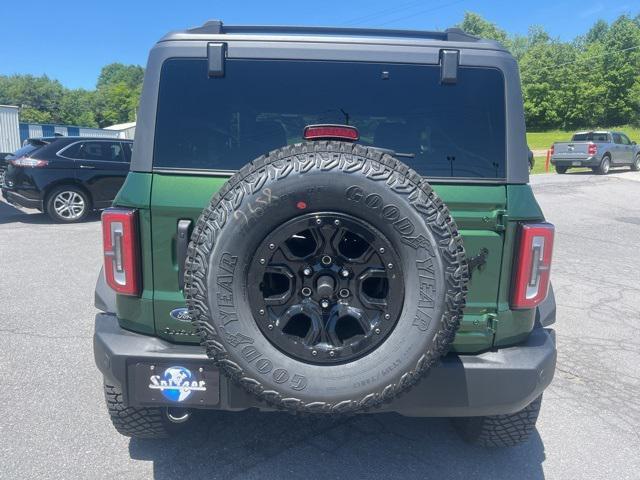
20,200
491,383
589,162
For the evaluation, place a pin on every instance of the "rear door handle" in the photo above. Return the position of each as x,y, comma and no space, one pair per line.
182,245
87,166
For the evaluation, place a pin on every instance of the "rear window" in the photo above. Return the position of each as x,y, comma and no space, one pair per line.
259,105
590,137
29,148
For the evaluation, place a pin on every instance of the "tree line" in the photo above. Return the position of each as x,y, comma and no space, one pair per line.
590,81
44,100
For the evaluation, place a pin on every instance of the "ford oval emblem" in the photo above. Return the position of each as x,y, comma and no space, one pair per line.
181,314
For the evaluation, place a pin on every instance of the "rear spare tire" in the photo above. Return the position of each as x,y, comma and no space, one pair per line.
326,277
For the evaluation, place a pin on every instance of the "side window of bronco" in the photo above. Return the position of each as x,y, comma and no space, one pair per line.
260,105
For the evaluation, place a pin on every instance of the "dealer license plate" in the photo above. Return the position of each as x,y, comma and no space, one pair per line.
177,384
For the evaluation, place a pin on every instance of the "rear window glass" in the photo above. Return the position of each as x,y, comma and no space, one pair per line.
28,149
259,105
590,137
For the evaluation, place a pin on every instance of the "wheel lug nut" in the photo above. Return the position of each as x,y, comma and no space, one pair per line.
270,326
307,271
336,222
318,221
387,316
262,261
306,291
344,272
332,353
324,303
272,246
326,260
377,330
344,293
381,250
261,312
314,353
390,266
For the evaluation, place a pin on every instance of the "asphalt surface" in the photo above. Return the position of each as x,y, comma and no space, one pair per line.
53,423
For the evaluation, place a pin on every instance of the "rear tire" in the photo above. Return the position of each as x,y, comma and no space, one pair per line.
605,166
500,430
561,170
635,166
68,204
138,422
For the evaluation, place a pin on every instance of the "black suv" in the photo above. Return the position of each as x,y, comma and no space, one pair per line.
67,177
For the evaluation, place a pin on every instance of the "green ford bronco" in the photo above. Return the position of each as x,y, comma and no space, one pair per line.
327,221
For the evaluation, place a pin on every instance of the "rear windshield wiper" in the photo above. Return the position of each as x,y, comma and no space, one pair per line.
394,153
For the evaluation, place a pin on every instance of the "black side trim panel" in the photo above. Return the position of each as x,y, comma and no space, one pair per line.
546,311
104,297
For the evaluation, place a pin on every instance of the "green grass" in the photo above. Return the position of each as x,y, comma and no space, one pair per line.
538,167
543,140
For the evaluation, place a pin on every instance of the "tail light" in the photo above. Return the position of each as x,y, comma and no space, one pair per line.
592,149
533,264
331,132
28,162
552,149
120,246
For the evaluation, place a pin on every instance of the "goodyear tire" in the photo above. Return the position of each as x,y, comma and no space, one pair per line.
373,277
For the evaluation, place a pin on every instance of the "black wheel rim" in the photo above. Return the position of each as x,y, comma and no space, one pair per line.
326,288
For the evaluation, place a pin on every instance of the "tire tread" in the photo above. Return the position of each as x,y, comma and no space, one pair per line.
133,421
498,431
349,158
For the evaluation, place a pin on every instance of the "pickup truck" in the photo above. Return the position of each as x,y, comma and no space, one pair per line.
598,150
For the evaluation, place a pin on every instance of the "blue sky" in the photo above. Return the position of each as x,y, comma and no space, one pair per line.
71,40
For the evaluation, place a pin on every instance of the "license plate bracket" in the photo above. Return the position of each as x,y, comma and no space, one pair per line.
184,384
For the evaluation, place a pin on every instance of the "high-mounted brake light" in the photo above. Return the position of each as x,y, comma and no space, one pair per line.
120,246
592,149
331,132
533,264
28,162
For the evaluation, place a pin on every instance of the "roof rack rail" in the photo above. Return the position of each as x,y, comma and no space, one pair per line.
217,27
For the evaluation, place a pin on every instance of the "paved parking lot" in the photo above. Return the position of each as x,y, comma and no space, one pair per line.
54,424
